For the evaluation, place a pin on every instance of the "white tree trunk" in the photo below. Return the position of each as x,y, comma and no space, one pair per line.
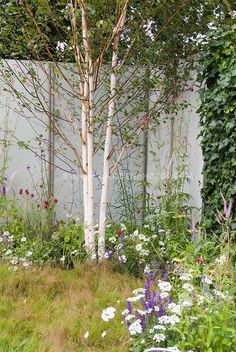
89,180
108,139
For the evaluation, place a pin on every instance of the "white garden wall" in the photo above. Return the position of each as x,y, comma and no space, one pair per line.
24,126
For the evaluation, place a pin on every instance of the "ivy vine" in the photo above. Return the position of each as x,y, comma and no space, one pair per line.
217,74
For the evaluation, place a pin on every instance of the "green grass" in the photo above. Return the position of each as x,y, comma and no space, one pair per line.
49,310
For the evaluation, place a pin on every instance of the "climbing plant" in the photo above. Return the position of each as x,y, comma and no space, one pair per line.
217,73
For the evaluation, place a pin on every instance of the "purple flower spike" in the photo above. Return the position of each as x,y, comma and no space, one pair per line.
129,307
3,190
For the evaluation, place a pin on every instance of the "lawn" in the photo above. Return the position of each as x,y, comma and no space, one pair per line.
49,310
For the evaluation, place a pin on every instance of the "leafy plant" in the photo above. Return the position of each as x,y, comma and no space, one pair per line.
218,122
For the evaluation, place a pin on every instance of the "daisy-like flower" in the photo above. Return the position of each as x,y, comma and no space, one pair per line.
86,334
135,328
108,313
138,247
164,286
23,239
185,277
188,287
104,334
174,308
112,239
159,337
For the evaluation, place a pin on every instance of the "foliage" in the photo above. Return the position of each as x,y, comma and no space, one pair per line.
218,123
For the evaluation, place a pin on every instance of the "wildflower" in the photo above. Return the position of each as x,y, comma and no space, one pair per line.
159,337
86,334
6,233
174,308
3,189
28,254
129,317
169,319
135,328
108,255
188,287
23,239
138,247
222,260
104,334
200,260
142,237
8,252
161,243
164,295
139,290
74,252
119,233
21,191
14,261
123,227
122,259
207,280
164,286
187,303
108,313
27,192
159,327
185,277
112,239
63,258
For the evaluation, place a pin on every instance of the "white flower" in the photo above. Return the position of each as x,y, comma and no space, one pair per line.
146,226
61,46
164,295
63,258
161,243
188,287
94,256
154,236
187,303
104,334
74,252
108,226
169,319
159,327
220,294
174,308
28,254
129,317
96,226
159,337
136,298
112,239
138,247
106,255
144,252
123,227
143,237
14,261
8,252
185,277
221,260
161,230
141,312
23,239
147,269
86,334
135,328
6,233
139,290
164,286
108,313
122,258
207,280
